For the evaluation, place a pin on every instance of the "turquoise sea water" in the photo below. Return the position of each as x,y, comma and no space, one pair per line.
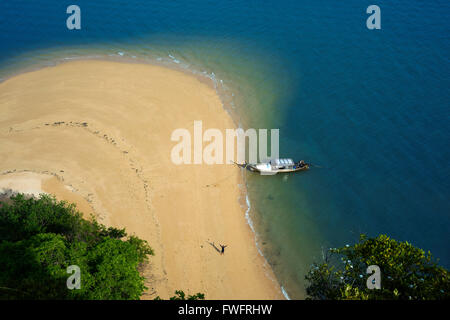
369,107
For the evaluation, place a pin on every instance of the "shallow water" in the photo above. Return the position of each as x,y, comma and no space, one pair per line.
369,108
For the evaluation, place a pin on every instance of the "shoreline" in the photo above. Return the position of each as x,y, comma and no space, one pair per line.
169,62
163,276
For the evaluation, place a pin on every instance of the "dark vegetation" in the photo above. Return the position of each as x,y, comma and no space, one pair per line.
40,238
407,272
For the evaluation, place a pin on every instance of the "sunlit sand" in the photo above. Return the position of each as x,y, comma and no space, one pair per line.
97,133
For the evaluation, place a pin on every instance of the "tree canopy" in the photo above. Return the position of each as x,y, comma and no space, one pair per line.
407,272
40,238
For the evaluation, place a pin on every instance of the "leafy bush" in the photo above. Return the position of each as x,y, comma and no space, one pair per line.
40,238
407,272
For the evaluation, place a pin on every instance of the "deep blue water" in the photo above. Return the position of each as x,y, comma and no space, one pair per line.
369,107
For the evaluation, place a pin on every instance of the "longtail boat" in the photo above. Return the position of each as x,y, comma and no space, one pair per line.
275,166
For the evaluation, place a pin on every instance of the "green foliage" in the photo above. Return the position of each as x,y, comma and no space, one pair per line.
180,295
40,238
407,272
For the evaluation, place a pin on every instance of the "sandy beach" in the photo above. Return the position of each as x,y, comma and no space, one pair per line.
97,133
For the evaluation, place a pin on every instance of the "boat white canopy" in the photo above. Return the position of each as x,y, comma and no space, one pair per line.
282,162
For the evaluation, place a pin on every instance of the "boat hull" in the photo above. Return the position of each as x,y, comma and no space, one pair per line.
275,171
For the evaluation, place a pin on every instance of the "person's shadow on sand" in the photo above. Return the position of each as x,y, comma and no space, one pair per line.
214,246
221,251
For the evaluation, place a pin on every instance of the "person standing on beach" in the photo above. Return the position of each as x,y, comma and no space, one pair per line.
223,248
